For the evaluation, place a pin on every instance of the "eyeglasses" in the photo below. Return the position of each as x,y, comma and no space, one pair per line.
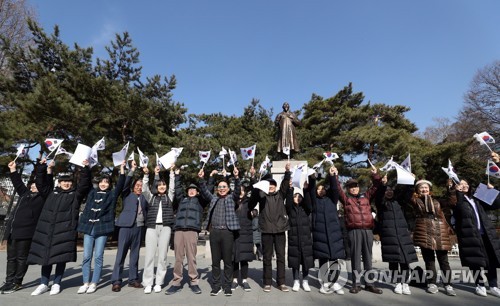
222,187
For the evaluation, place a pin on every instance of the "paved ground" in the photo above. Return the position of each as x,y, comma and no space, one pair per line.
129,296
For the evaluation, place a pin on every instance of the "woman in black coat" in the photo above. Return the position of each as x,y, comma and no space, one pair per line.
300,251
397,246
22,223
243,244
328,242
478,243
54,241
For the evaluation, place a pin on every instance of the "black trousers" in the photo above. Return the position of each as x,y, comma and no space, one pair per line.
430,265
244,269
221,245
17,257
277,243
400,272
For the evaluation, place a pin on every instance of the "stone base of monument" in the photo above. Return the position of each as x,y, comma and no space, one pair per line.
278,168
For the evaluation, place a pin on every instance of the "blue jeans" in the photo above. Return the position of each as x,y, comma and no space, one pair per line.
93,244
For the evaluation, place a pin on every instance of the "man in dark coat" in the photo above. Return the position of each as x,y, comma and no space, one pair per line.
273,223
224,226
131,223
54,241
22,223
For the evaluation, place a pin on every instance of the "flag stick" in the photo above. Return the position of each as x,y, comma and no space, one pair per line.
488,170
15,158
253,159
223,164
204,163
47,157
488,147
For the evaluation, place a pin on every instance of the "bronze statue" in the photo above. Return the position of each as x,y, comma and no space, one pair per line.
286,121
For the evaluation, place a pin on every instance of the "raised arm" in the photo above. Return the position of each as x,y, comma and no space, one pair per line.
306,202
333,191
376,182
121,181
171,183
146,192
285,183
16,179
206,194
128,180
237,185
84,182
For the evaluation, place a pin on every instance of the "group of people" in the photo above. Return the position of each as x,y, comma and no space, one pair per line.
43,228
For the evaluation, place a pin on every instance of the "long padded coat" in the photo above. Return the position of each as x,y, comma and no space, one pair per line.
470,244
397,245
328,242
54,240
299,234
243,244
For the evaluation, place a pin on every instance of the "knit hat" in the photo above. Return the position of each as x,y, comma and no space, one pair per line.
420,182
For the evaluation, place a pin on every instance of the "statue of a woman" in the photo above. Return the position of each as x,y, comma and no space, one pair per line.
286,122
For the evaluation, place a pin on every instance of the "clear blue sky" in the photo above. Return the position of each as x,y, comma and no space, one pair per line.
422,54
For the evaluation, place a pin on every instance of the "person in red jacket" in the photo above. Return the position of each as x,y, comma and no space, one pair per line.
359,223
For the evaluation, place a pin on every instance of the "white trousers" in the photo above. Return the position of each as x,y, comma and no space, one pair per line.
157,239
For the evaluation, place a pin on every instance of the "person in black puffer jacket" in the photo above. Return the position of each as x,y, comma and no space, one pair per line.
397,246
243,245
478,243
328,242
21,226
54,241
187,226
300,246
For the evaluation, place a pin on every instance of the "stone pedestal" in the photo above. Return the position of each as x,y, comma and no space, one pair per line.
278,168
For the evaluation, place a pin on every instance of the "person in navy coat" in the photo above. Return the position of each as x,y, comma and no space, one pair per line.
131,223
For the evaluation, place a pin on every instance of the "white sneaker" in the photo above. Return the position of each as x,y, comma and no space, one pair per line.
495,291
449,290
55,289
147,289
296,285
481,291
83,289
406,289
92,288
432,288
157,288
338,288
305,285
40,289
325,290
398,289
